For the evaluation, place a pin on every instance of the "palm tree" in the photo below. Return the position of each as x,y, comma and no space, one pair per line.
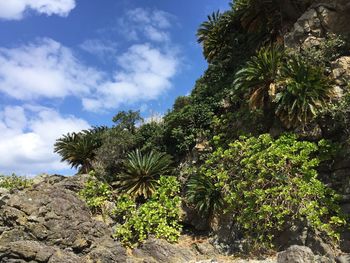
78,149
141,173
204,194
304,90
257,78
211,34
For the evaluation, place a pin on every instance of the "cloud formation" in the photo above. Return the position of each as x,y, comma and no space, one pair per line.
47,69
140,23
145,73
16,9
44,69
28,134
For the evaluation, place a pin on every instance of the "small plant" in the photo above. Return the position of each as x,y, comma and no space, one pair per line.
141,173
96,193
158,216
14,182
203,193
303,92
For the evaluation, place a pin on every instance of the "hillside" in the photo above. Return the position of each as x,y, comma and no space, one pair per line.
254,163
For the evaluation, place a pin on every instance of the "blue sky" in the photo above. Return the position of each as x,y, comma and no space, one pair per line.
66,65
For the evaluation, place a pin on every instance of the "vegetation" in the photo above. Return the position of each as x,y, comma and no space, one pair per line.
159,216
96,193
78,149
14,182
266,183
141,173
238,144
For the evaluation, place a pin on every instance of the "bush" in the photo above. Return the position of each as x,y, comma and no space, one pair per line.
159,216
96,193
268,183
14,182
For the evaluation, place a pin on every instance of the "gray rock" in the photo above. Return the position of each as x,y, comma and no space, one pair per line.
162,251
296,254
50,220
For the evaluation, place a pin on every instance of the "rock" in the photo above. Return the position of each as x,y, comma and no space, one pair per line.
162,251
51,217
343,258
323,17
296,254
341,71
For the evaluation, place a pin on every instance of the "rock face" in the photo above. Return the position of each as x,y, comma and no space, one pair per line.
324,16
49,223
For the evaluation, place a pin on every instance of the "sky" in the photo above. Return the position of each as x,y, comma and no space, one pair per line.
67,65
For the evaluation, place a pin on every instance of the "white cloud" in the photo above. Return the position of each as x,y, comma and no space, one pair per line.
146,23
16,9
44,69
49,70
101,48
145,73
27,137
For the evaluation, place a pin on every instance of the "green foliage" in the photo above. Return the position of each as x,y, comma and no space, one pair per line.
327,51
257,78
183,127
303,92
116,143
284,85
14,182
78,149
204,194
141,173
96,193
127,120
159,216
150,136
269,183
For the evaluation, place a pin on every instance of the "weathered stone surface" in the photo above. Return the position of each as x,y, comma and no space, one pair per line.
296,254
341,71
50,220
162,251
324,16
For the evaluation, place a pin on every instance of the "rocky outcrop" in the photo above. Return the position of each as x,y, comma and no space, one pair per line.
322,18
49,223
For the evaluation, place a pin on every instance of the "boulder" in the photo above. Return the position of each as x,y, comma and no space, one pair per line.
296,254
49,219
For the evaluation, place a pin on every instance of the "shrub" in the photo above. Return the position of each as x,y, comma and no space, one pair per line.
204,194
141,173
159,216
96,193
268,183
303,92
14,182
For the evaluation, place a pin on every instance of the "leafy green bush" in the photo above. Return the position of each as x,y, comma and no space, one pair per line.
159,216
268,183
96,193
14,182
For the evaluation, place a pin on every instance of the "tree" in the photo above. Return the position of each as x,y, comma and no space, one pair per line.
127,120
116,143
79,149
141,173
